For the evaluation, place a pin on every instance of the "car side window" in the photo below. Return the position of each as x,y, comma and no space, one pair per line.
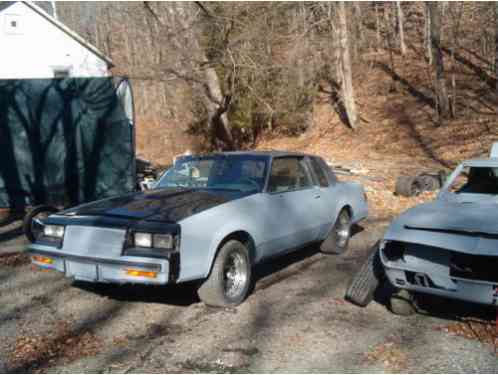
288,174
319,172
331,177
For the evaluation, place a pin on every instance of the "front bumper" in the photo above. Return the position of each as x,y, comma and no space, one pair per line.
107,270
427,270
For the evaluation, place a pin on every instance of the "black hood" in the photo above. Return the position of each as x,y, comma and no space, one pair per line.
168,205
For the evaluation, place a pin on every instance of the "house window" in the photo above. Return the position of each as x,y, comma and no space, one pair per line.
13,24
61,73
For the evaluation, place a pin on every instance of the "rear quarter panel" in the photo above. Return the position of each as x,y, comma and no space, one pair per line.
343,194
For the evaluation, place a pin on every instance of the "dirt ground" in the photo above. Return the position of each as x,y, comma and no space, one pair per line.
295,320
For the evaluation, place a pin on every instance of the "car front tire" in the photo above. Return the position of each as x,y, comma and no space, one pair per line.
230,278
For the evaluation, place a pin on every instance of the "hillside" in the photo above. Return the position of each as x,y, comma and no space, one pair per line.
397,135
399,131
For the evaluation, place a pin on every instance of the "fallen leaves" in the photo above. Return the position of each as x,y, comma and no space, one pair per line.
14,259
392,358
37,352
474,329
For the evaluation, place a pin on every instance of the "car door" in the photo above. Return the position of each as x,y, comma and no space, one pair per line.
327,191
290,218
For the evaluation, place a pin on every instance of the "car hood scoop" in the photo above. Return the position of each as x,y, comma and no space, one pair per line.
168,205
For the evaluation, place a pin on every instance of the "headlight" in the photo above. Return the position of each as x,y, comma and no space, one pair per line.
55,231
143,239
162,241
159,241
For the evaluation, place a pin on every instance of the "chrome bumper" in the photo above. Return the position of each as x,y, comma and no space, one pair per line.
91,269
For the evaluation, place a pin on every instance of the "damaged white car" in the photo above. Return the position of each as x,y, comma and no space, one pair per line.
447,247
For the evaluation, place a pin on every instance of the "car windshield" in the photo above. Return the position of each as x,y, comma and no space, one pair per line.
476,180
225,172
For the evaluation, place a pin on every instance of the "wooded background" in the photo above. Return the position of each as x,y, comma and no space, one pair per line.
219,75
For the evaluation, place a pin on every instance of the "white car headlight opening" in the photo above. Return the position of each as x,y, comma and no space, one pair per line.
143,239
159,241
56,231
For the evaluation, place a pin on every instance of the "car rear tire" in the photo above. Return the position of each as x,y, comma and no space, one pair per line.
362,287
402,303
338,239
31,225
230,278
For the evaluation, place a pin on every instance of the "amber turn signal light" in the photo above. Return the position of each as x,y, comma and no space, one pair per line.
40,259
140,273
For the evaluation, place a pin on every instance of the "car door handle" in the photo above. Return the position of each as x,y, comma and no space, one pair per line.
317,196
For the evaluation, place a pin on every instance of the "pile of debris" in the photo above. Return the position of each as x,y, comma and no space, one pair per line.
148,173
410,186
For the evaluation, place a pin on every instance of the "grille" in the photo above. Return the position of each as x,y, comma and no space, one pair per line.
94,241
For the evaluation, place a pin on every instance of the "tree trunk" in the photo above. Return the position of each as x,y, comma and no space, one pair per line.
427,33
217,106
358,43
346,70
401,28
496,45
377,25
442,101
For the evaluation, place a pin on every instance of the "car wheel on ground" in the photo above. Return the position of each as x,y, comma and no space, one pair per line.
230,278
338,238
402,303
362,287
407,186
32,225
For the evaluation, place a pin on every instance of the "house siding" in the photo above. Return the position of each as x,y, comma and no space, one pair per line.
36,47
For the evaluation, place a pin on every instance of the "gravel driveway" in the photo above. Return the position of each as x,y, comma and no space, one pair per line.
295,320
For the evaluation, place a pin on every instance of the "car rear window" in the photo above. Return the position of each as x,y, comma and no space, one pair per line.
330,174
319,172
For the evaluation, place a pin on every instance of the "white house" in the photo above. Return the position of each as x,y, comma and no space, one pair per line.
33,44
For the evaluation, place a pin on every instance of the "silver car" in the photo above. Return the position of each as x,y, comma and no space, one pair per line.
449,247
209,218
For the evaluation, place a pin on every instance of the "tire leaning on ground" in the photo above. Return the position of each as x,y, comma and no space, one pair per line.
428,182
362,287
407,186
230,277
338,239
31,224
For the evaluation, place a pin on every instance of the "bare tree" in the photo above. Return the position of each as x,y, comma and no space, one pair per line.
496,44
442,102
178,24
401,28
345,67
427,33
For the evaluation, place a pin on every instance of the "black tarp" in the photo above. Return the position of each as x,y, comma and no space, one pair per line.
63,142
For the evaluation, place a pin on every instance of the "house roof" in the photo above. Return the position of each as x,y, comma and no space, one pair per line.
64,28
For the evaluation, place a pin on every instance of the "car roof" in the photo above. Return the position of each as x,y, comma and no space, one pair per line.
489,162
270,153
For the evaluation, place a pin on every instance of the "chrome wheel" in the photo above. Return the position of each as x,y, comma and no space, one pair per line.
343,229
234,275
